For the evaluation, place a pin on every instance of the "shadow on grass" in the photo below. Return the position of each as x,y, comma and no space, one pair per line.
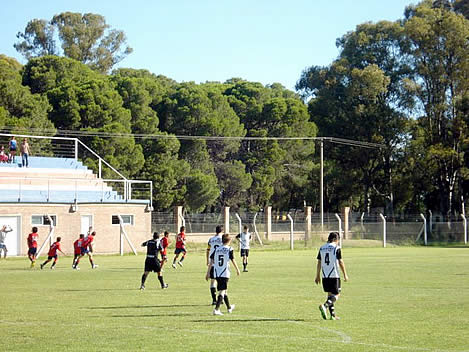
246,320
153,306
98,289
155,315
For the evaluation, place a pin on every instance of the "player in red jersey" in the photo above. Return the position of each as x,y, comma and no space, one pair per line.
53,253
32,246
77,250
180,247
165,242
87,248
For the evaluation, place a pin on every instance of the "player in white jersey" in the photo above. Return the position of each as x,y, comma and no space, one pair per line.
329,261
220,262
244,239
3,234
213,243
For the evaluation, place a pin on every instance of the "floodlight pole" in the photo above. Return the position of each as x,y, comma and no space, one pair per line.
321,197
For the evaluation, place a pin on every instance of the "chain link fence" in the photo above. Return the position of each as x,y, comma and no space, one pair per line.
363,229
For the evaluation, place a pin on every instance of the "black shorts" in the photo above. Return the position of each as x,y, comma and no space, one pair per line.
222,283
244,252
32,250
179,250
50,257
212,273
152,264
331,285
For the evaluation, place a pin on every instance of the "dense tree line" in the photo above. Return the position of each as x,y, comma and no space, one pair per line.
403,84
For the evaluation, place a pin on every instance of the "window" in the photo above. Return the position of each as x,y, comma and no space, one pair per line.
127,219
43,220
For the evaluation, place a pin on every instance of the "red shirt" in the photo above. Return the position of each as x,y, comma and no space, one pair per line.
53,249
77,245
32,240
164,244
181,237
87,241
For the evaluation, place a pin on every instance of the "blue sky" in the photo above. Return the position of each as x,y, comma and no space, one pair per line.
214,40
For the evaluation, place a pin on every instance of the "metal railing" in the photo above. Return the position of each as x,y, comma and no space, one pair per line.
67,147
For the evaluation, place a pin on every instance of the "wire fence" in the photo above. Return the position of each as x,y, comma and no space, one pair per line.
363,229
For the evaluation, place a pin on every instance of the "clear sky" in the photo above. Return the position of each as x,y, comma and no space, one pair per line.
265,41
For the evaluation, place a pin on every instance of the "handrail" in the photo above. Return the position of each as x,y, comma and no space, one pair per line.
104,161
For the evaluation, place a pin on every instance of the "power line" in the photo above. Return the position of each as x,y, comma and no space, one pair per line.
84,133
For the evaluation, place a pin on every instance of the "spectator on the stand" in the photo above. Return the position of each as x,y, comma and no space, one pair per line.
25,152
13,146
3,156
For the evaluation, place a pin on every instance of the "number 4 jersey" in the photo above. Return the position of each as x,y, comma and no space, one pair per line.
329,255
221,261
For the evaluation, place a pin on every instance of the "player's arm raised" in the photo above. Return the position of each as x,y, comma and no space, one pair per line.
317,280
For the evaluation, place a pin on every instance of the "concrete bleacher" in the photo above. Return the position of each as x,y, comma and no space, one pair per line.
57,180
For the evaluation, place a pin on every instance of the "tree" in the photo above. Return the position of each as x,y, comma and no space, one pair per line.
83,99
38,39
439,53
86,38
21,110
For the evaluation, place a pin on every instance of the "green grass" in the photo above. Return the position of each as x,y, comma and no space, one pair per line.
398,299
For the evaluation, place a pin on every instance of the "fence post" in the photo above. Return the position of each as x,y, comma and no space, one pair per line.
291,230
384,229
340,227
424,229
255,230
268,222
465,227
308,223
76,149
177,216
431,221
240,224
226,218
346,213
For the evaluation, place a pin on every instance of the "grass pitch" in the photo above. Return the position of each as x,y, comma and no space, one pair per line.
398,299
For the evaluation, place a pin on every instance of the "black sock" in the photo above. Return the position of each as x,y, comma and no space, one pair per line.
332,310
244,266
161,280
182,259
330,301
219,302
143,279
227,302
213,292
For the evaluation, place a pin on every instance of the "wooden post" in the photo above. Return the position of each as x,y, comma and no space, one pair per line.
308,223
177,221
345,216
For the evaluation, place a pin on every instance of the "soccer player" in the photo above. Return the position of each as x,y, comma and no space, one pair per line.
53,253
3,234
180,247
152,262
244,239
165,242
213,243
220,261
87,248
77,250
329,261
32,245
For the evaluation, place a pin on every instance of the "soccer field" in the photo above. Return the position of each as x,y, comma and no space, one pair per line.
397,299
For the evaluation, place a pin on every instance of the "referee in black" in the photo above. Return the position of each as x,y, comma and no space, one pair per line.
152,262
